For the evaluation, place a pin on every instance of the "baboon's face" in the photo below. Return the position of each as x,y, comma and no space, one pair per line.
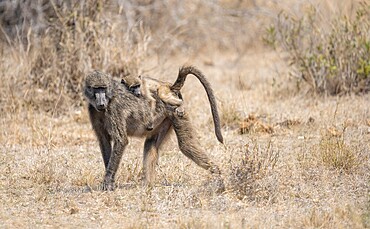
98,90
135,90
98,97
133,85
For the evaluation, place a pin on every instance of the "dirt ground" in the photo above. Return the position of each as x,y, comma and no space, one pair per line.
278,162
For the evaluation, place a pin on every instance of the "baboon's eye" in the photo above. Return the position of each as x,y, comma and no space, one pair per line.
135,87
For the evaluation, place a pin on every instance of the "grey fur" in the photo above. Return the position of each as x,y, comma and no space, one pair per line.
121,114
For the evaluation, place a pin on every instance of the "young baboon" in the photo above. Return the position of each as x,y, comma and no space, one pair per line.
115,114
145,86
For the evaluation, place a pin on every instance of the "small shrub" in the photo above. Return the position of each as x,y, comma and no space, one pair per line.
332,58
317,219
333,152
44,172
253,124
250,178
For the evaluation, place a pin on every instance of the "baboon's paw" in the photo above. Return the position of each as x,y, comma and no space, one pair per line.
107,186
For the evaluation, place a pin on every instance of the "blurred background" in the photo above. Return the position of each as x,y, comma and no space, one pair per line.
48,46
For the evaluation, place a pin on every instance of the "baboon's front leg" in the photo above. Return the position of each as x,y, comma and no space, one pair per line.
102,135
114,161
105,146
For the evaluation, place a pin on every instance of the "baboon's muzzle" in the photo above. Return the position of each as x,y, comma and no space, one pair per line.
101,101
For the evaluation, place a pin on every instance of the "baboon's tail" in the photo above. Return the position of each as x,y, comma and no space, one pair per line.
183,72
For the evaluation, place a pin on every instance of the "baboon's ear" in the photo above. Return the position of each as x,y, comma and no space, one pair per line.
109,92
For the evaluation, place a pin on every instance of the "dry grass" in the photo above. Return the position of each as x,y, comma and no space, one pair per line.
253,124
335,153
308,172
330,54
252,178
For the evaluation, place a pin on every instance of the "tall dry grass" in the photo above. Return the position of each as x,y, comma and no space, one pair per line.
49,46
50,64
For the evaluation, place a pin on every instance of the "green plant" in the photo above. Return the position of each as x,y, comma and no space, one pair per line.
334,57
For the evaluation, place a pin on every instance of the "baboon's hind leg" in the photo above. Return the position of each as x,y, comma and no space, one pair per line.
189,144
151,155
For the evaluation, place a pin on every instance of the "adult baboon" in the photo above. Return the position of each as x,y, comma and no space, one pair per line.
115,114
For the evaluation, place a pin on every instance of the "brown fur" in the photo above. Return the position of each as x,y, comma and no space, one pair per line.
145,86
183,72
115,114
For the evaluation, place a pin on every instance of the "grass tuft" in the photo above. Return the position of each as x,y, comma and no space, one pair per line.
335,153
231,115
44,172
251,177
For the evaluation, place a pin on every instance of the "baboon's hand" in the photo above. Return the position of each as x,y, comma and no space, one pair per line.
172,110
180,111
